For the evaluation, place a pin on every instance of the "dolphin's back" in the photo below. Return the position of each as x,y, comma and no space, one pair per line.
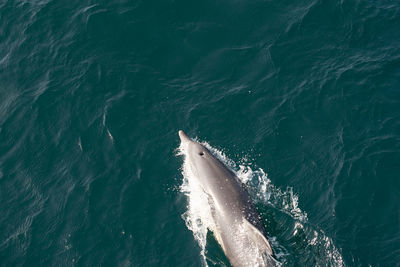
238,224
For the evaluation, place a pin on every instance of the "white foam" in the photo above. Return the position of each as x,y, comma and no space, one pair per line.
198,215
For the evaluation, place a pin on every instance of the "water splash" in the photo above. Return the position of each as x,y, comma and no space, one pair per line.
198,215
260,186
311,240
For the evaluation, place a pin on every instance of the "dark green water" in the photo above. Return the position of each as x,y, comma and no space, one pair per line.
92,94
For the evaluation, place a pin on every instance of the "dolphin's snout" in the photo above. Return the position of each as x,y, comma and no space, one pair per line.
183,136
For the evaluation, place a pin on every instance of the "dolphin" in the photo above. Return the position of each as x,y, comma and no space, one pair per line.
237,225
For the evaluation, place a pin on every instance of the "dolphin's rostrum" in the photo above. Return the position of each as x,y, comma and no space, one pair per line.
237,224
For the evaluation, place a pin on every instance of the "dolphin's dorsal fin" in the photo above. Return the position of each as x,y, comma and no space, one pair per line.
258,237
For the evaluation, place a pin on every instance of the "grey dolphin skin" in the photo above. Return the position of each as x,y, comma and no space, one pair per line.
238,227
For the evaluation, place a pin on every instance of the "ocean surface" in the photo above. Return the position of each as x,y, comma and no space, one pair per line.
300,98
